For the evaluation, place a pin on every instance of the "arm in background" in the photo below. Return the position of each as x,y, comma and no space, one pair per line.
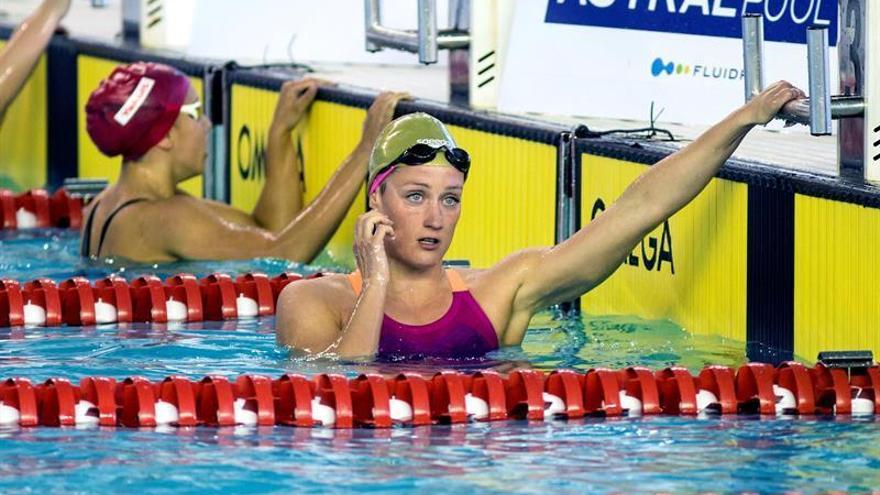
19,58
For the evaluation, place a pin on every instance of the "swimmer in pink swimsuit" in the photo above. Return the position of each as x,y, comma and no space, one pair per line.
463,332
401,302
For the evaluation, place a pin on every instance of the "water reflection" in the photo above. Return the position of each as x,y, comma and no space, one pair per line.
588,456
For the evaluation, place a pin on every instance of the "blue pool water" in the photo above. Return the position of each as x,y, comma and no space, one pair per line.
647,455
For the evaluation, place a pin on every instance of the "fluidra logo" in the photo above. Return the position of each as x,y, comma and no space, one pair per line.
659,67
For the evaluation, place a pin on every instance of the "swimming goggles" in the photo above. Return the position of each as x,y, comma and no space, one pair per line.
421,153
192,109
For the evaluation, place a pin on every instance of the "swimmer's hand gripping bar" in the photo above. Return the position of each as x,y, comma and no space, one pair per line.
426,41
816,111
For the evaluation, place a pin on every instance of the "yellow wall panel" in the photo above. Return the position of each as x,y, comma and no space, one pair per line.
509,199
250,114
691,269
836,278
329,136
93,163
23,134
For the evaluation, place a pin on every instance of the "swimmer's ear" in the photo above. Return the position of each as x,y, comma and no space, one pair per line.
375,200
166,143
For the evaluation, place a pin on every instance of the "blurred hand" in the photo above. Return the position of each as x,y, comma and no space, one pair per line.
294,101
60,7
379,115
369,246
764,107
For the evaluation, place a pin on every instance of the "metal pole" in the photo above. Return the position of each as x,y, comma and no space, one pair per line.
753,54
131,21
427,33
372,18
563,188
842,107
820,78
567,201
426,41
459,61
871,92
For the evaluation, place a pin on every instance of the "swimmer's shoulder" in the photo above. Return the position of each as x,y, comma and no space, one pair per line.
181,207
332,293
94,202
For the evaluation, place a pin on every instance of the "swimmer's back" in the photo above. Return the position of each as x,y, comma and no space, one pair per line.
110,230
173,228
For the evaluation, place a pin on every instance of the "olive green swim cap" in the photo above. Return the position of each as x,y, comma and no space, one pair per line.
404,132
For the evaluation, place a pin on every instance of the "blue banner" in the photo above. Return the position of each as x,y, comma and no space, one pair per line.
784,20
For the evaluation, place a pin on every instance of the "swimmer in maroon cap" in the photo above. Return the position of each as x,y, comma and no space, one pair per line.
151,116
20,55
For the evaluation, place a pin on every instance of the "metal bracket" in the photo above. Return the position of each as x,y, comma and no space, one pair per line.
425,41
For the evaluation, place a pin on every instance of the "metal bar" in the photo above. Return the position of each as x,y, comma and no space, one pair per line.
451,39
427,33
372,17
563,188
871,92
753,54
460,67
426,41
216,174
408,40
567,201
383,37
820,81
842,107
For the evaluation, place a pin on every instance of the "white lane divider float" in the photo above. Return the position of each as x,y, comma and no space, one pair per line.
105,312
323,413
175,311
34,315
246,307
25,219
9,416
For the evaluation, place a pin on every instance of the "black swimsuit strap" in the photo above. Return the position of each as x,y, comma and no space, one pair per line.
86,244
110,219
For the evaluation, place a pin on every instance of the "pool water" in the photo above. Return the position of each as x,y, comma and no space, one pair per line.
631,455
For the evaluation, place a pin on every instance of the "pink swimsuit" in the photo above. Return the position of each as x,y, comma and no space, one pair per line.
463,332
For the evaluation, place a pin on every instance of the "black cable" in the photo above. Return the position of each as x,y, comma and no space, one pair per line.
584,132
276,65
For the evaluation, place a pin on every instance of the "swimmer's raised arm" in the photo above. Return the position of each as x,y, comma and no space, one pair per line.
21,54
281,198
575,266
196,228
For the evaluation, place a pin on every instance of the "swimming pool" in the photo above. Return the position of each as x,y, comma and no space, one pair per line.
650,454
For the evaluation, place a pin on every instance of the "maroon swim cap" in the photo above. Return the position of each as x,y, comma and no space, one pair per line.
133,109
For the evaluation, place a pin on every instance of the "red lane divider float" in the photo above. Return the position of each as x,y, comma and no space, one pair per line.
374,401
37,209
181,298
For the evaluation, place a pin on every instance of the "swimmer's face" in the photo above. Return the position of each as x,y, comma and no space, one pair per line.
191,140
424,202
